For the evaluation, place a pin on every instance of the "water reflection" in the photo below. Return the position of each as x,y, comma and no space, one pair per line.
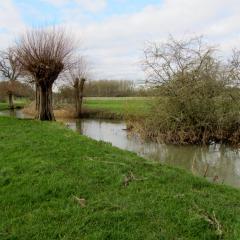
15,113
221,162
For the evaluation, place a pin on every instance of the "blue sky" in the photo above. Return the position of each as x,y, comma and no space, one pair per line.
113,33
41,12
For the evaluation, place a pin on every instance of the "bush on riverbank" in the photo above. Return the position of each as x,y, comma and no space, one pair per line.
198,114
199,101
56,184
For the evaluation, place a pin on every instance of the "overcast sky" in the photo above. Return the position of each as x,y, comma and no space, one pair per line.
113,32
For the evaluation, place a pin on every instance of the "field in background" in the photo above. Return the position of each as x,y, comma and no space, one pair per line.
120,106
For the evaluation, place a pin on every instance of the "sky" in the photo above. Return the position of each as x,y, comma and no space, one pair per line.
113,33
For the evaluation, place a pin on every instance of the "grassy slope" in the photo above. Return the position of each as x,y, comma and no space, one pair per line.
43,166
119,106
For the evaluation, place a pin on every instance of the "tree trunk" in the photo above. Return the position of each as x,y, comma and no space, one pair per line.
37,100
78,88
81,88
10,101
77,102
45,112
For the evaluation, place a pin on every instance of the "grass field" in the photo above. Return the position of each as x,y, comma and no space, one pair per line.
120,106
56,184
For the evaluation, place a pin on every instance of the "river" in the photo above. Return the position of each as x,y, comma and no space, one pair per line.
217,162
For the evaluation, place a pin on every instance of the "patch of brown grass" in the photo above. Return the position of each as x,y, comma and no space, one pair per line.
59,113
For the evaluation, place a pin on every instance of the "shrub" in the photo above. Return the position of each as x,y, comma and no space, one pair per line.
198,99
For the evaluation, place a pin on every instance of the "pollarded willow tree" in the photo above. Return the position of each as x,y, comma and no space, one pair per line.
77,77
44,54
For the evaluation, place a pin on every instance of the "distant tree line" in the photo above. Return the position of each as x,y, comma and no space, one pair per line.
108,88
101,88
104,88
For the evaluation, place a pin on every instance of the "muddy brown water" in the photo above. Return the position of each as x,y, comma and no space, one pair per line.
219,163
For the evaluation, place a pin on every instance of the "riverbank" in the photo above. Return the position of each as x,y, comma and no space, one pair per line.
57,184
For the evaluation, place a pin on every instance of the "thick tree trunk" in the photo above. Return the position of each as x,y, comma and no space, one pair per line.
45,112
10,101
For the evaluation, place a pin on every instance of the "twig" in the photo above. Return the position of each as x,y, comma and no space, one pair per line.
215,178
193,163
214,222
211,219
206,170
80,201
130,177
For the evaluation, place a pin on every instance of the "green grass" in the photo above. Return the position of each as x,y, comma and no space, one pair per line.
44,166
119,105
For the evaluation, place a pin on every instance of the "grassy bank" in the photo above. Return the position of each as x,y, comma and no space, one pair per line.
116,108
56,184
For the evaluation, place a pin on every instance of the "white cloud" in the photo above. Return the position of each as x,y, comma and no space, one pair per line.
87,5
10,18
92,5
11,23
57,3
116,43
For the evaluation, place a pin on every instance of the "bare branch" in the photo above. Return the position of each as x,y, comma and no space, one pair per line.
10,67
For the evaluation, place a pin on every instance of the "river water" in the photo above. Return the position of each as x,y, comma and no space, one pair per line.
218,162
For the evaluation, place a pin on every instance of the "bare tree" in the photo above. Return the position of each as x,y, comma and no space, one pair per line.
176,59
77,77
44,54
233,68
10,69
196,89
109,88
